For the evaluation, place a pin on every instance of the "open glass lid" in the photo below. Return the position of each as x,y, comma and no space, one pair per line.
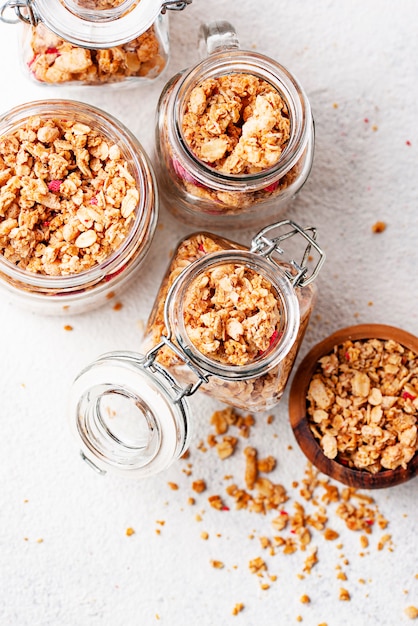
128,415
94,23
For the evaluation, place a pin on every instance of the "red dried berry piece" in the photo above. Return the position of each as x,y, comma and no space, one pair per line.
93,200
406,395
54,185
51,51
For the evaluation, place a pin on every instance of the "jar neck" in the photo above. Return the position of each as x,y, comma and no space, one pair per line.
232,61
284,335
97,23
126,417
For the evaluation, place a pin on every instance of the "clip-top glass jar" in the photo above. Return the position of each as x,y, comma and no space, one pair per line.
92,42
234,137
78,206
227,320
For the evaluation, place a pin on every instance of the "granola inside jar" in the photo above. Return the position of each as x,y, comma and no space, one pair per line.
92,43
236,314
227,319
78,205
234,136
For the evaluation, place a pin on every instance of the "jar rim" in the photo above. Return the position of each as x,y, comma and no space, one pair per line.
289,308
246,62
99,28
143,225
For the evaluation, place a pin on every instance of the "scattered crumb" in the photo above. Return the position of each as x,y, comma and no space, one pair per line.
217,564
335,105
238,608
130,531
173,486
344,594
374,127
110,295
199,485
68,327
39,541
411,612
204,535
191,501
305,599
370,303
117,306
379,227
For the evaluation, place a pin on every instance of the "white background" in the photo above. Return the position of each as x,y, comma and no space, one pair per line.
363,57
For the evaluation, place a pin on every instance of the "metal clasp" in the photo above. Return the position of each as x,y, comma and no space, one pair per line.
267,246
23,9
150,356
173,5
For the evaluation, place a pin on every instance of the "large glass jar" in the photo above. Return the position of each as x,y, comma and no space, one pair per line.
227,320
78,206
234,136
92,42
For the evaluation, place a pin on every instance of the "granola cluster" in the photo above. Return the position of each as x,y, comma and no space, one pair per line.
363,404
67,198
236,123
55,60
258,393
231,314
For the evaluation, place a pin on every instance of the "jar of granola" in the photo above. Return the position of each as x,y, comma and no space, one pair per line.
78,206
227,320
234,138
92,42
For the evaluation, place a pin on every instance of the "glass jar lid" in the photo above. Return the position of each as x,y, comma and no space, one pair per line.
93,23
128,415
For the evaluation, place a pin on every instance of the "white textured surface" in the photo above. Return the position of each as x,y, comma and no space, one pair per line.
362,56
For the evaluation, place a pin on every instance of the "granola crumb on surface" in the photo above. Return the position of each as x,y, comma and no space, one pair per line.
238,608
379,227
411,612
129,531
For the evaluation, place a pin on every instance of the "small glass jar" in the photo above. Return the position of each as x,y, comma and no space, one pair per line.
78,206
130,410
92,42
234,136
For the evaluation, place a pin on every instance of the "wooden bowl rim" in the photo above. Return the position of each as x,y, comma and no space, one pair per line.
297,408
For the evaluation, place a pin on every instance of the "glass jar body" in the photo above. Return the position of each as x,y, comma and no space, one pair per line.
258,390
42,220
48,59
197,193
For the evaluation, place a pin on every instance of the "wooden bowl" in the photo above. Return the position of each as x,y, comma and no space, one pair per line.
298,409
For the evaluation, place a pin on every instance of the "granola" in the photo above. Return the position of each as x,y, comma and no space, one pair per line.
67,198
236,123
363,404
56,61
231,314
259,392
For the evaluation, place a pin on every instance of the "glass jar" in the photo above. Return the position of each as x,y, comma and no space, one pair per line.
78,206
92,42
234,136
227,320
